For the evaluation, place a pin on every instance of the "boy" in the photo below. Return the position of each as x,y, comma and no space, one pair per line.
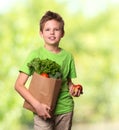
51,30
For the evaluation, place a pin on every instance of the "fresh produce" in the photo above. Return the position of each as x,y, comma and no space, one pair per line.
46,67
78,87
45,75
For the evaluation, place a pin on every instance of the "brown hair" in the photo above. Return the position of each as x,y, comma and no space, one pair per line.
49,15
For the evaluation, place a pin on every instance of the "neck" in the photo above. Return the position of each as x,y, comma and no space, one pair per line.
54,49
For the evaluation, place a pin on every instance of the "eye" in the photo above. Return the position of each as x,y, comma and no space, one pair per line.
47,29
57,29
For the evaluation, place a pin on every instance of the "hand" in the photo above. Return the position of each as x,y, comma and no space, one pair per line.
75,90
43,111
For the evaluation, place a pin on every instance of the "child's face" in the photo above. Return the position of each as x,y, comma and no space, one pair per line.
52,32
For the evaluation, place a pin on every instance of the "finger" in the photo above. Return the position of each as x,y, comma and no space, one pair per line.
75,93
48,115
48,108
78,94
71,90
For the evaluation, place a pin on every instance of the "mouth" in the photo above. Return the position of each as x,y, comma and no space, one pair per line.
52,38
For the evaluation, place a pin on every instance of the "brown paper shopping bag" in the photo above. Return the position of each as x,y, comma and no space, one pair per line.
45,90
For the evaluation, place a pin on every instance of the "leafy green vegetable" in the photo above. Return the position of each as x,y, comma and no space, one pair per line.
45,66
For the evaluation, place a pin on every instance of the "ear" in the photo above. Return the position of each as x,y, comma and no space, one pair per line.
40,33
63,34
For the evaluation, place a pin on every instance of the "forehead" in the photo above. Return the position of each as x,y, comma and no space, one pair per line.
52,23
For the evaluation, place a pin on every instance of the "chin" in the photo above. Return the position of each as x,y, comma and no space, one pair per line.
53,43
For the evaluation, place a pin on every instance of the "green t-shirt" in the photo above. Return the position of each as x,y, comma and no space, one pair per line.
65,101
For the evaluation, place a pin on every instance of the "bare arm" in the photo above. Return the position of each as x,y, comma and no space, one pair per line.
41,109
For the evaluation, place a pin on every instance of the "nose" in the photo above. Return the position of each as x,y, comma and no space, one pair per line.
51,31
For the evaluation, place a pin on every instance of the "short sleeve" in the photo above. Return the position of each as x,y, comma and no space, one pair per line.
72,73
24,68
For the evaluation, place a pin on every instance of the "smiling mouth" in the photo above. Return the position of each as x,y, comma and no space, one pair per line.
52,38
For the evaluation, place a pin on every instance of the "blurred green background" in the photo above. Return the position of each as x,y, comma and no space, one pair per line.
91,35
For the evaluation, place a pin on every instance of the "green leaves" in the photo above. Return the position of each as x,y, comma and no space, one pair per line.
45,66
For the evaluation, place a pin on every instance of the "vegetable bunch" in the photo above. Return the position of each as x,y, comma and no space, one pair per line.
46,67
